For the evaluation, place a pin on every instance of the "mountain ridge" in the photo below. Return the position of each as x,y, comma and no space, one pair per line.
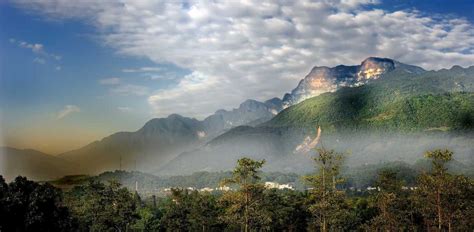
162,140
436,108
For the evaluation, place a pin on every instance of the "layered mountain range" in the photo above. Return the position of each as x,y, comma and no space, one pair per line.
380,95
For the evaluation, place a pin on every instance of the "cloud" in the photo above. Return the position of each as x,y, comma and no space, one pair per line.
142,69
260,49
68,109
110,81
39,50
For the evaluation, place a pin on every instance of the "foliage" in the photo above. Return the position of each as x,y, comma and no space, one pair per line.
245,207
101,207
327,202
445,200
434,200
398,102
28,206
191,211
395,210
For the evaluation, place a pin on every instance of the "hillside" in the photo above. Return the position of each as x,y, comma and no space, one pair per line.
162,139
33,164
400,101
369,123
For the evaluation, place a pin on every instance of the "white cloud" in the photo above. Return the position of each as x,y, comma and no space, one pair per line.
259,49
142,69
36,48
68,109
110,81
39,50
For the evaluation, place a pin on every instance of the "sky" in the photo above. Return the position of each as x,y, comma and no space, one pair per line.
72,72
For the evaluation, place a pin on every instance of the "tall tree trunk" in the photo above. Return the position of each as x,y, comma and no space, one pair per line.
438,204
324,229
449,225
246,210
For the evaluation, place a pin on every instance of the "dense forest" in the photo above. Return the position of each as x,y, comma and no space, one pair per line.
436,200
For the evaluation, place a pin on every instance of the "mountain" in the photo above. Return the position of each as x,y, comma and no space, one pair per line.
397,116
402,101
162,139
249,112
380,94
33,164
324,79
157,142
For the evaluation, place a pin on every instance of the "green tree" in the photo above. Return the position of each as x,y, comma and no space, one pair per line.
101,207
395,211
328,204
30,206
4,193
444,198
287,210
245,206
190,211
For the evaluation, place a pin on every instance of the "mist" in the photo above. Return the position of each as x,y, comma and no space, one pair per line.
277,147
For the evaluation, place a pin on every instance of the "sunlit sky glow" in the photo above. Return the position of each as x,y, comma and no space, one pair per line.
73,71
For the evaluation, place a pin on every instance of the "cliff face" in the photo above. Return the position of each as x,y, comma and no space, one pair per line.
324,79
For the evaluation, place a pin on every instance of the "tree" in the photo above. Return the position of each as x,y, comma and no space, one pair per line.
287,210
101,207
443,198
328,204
4,193
205,212
29,206
245,206
177,211
191,211
393,204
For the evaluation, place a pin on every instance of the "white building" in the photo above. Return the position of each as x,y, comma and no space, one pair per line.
274,185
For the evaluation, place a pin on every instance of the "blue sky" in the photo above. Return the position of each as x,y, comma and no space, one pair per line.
73,72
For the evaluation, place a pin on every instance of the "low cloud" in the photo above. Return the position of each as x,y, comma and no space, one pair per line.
68,110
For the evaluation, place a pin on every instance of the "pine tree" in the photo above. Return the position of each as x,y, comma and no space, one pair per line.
245,206
445,200
328,203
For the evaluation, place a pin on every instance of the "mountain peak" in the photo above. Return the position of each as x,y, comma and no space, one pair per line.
324,79
374,59
373,68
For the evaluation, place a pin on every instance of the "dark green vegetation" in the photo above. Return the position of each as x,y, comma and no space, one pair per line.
400,101
28,206
435,200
